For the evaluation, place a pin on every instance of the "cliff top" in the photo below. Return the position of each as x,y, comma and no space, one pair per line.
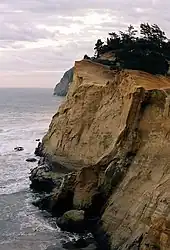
101,75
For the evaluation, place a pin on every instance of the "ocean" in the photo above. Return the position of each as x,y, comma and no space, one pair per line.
25,115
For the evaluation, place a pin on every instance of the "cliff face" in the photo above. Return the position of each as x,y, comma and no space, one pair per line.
118,124
62,87
88,124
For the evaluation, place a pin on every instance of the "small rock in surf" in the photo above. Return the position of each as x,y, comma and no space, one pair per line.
31,160
19,149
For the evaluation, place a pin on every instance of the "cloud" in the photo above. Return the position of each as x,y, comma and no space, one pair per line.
49,35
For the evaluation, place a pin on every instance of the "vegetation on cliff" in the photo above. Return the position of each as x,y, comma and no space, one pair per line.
150,51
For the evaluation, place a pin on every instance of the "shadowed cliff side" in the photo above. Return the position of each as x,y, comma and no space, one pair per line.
62,87
117,123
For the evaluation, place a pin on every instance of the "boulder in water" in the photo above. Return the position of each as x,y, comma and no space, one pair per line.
44,180
18,148
72,221
31,160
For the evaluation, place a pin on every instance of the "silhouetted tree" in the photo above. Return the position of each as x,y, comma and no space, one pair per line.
98,47
128,37
153,33
148,52
86,57
166,49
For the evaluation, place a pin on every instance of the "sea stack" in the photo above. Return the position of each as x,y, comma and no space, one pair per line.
62,87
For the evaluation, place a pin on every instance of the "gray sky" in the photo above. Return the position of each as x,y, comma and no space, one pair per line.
40,39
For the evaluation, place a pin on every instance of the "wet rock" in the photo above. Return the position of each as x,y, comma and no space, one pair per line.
18,148
31,160
72,221
44,185
43,203
62,199
39,150
100,235
82,243
41,161
90,247
44,180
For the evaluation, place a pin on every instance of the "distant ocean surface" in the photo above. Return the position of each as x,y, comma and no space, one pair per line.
25,115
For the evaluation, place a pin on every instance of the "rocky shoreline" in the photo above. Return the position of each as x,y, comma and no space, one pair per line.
57,189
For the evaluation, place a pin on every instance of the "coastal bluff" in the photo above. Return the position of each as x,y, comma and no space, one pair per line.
115,124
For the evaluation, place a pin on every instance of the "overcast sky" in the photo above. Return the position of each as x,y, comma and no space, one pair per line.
40,39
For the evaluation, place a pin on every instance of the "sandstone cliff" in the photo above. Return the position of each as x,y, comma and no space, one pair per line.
118,124
61,88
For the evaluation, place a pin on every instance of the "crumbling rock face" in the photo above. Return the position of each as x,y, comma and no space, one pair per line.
118,125
140,203
88,124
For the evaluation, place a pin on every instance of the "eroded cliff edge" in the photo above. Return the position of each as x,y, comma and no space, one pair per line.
117,124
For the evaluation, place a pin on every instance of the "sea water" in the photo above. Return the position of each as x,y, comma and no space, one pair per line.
25,115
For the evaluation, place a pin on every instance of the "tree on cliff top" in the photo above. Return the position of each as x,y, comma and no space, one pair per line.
148,52
153,34
98,47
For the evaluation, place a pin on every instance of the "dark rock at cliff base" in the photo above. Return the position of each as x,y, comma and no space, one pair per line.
44,185
18,149
31,160
72,221
37,140
83,243
80,244
44,180
41,161
43,203
100,235
38,150
62,199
